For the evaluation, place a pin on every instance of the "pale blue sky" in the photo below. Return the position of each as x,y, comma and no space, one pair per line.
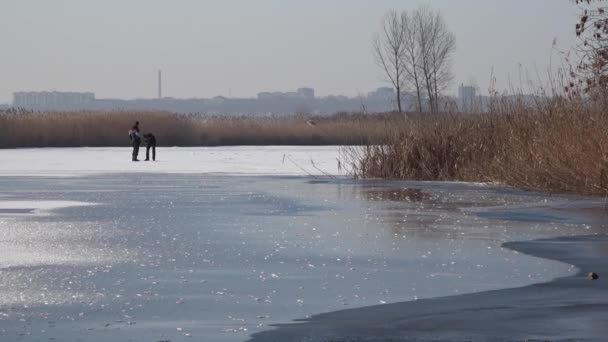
213,47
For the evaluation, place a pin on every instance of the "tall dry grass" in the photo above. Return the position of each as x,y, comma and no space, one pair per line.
557,146
101,129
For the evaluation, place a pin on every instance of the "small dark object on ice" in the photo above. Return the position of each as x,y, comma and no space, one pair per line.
593,276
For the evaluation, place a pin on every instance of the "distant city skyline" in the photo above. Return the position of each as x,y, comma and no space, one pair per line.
240,48
311,93
301,101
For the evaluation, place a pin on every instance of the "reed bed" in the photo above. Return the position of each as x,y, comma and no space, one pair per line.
104,129
557,146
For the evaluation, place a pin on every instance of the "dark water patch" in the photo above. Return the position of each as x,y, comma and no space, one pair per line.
398,195
313,182
525,215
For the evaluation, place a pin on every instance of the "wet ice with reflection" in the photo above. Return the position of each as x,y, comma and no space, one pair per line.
31,249
167,257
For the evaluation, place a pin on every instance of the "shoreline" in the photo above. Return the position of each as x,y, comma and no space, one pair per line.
570,308
280,160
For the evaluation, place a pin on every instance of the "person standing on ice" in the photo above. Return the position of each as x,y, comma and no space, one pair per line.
135,137
150,140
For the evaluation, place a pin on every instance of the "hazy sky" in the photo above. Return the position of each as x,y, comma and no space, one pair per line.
240,47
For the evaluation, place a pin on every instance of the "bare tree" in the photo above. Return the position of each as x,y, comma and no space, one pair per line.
389,49
443,46
590,75
415,52
411,58
436,46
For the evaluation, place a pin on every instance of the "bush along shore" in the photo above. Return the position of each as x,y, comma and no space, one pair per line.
557,146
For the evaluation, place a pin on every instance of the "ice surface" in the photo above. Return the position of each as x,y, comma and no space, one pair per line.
37,207
250,160
190,257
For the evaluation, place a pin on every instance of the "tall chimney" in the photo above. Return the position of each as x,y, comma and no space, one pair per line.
160,84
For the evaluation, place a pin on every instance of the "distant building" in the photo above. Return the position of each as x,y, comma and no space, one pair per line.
264,96
466,100
466,94
218,100
382,93
301,93
307,93
54,100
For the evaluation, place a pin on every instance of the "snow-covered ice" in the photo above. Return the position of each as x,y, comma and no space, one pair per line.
42,206
240,160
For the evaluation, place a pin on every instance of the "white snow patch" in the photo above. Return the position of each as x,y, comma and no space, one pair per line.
39,207
241,160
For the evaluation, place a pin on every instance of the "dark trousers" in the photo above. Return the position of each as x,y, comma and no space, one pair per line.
135,150
153,147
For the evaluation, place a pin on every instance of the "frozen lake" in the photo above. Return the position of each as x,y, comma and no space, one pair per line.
237,160
180,257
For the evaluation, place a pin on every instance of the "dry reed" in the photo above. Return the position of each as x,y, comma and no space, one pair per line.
101,129
557,146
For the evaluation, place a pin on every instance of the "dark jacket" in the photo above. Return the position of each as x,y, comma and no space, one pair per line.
150,139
